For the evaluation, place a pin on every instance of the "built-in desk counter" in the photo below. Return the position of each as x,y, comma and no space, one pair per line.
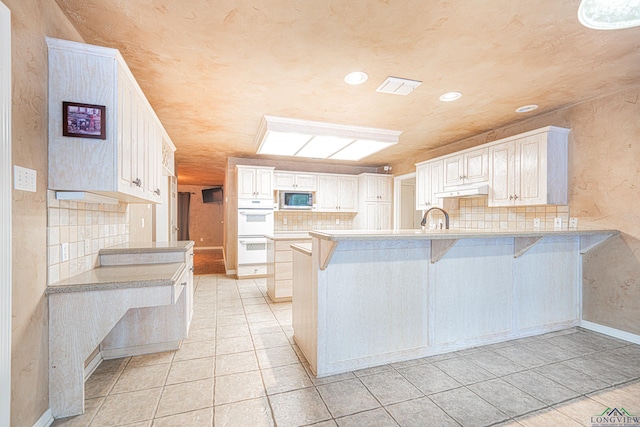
386,296
125,308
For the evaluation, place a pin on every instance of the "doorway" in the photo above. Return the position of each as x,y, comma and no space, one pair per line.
406,216
5,215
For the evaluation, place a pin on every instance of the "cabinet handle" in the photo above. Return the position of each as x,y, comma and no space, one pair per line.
183,284
510,197
137,182
515,197
157,191
191,269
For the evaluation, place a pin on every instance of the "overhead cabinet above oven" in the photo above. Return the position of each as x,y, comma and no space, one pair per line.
255,182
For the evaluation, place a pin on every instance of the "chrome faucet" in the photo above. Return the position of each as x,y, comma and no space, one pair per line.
446,217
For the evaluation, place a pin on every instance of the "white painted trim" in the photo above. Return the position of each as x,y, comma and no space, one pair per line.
45,420
117,353
612,332
92,365
206,248
397,182
5,215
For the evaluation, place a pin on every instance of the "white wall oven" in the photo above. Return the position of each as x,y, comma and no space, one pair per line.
255,220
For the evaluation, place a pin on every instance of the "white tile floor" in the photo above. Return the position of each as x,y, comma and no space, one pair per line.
240,367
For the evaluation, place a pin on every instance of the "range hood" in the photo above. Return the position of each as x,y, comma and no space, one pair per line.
466,191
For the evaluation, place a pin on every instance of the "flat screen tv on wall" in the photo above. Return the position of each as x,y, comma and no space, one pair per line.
212,195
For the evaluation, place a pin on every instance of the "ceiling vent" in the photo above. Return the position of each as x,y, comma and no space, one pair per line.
398,86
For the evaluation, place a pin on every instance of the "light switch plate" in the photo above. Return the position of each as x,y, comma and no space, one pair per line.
24,179
64,252
536,223
87,246
573,222
557,223
337,220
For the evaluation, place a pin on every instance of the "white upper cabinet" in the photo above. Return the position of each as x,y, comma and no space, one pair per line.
295,181
469,167
255,182
429,180
375,187
127,164
530,169
337,193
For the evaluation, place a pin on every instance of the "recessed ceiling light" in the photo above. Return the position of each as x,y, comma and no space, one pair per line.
526,108
356,78
609,14
450,96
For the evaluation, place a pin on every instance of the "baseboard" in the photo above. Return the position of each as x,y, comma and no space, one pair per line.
45,420
612,332
206,248
92,365
117,353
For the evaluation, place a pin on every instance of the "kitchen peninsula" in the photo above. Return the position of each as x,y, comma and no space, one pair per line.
377,297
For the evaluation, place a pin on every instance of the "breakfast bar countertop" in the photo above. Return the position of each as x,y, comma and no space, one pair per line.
451,234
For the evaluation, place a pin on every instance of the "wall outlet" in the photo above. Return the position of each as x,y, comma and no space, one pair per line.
536,222
337,221
201,239
64,252
142,222
573,222
557,223
24,179
87,246
284,221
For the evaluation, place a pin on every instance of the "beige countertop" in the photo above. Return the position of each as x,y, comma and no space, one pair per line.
289,236
345,235
120,276
145,247
305,248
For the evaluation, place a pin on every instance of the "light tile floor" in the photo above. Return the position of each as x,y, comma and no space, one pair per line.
240,367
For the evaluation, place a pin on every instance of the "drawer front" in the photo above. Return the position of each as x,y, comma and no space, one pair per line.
252,270
283,288
284,270
180,285
284,256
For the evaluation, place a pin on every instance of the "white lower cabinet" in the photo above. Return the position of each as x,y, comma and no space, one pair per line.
280,268
374,216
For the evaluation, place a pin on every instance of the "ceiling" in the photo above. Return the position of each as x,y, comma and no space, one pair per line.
211,70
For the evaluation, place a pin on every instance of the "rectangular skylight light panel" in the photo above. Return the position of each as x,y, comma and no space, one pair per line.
282,143
361,149
321,147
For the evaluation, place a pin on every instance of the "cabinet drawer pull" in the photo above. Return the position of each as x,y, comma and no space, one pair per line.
137,182
157,191
183,284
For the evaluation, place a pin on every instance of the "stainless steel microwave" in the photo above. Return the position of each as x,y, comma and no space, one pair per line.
296,200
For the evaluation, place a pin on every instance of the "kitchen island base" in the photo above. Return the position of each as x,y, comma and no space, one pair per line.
382,300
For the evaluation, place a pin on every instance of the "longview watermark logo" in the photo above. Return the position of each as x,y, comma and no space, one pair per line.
614,417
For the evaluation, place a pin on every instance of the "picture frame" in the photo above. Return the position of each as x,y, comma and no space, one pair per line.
83,120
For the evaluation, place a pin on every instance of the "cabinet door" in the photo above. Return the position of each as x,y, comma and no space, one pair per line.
453,170
125,139
384,216
384,188
246,179
371,191
423,187
306,182
327,194
502,174
531,171
264,183
348,194
284,181
476,166
436,175
139,146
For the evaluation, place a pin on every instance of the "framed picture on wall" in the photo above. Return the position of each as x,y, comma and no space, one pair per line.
83,120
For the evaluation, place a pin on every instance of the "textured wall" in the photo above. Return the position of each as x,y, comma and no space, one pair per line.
604,163
206,222
31,20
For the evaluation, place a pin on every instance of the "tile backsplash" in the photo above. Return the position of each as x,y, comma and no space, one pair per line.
85,228
475,214
305,221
